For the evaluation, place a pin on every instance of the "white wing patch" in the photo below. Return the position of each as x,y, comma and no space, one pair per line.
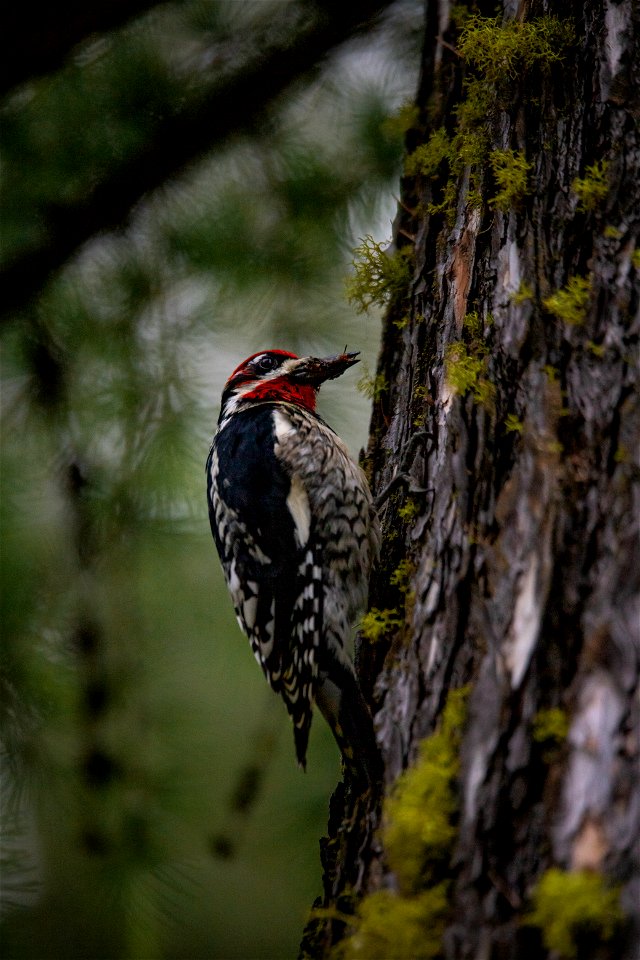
298,500
282,426
298,504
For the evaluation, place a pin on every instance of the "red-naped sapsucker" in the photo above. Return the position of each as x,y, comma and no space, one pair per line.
293,520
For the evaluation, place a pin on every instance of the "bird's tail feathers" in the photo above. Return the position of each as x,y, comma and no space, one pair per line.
345,710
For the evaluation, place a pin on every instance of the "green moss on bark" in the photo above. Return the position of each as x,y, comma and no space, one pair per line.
420,827
496,54
571,301
571,907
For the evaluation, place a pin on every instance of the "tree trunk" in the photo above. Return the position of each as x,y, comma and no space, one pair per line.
506,420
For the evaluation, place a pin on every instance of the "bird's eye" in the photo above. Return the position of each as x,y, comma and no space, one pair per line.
265,364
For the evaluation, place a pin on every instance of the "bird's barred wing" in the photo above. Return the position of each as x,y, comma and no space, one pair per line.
301,674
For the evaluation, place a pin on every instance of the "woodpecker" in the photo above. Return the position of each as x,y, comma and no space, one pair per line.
297,534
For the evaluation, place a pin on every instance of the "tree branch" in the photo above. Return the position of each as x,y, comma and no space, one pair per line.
34,45
178,142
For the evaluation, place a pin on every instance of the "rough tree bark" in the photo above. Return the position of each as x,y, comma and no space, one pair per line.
507,390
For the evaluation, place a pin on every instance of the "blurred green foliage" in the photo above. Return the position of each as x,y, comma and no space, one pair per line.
130,702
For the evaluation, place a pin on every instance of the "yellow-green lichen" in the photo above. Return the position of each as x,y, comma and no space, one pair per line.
550,725
390,927
371,385
477,103
495,52
554,447
597,349
512,424
523,293
377,624
426,158
409,510
402,575
503,50
462,370
472,324
378,276
420,828
402,322
573,909
635,259
611,232
593,187
570,303
484,393
470,145
511,172
420,813
465,370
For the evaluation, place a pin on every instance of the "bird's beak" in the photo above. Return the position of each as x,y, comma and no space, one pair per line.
314,371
